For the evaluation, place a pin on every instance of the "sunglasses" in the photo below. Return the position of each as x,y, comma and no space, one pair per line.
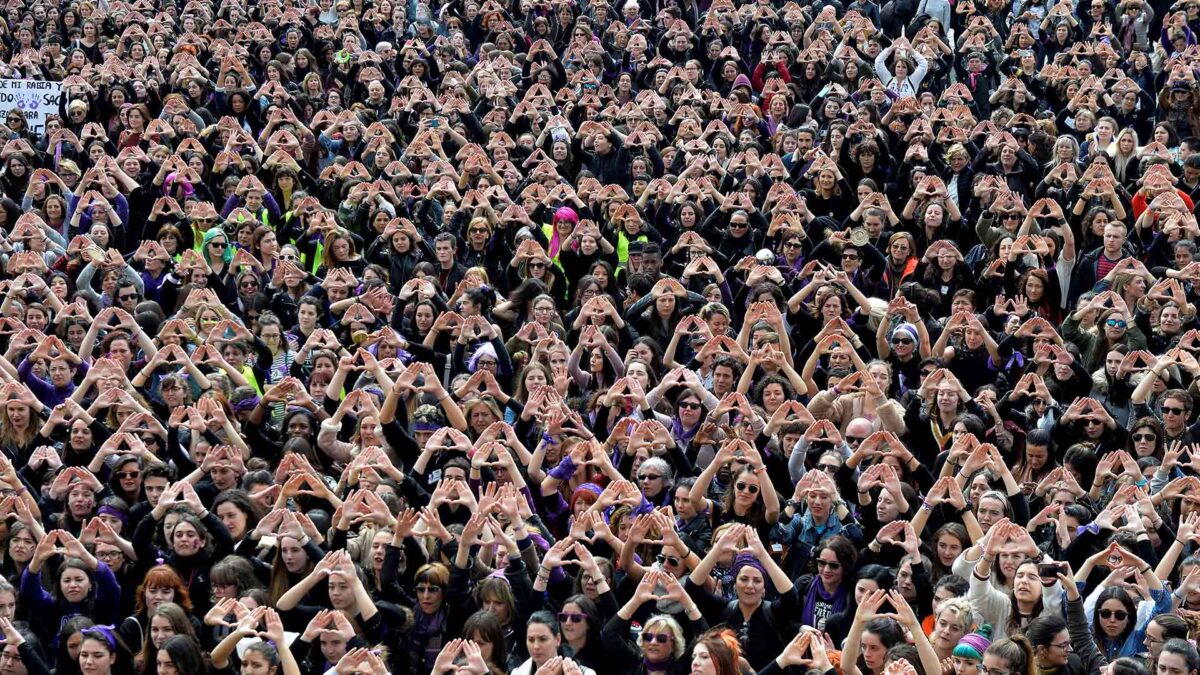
217,244
854,440
902,341
121,475
829,564
661,638
536,265
671,560
571,617
849,256
1118,614
1115,323
828,468
649,476
289,257
1172,411
689,405
1092,422
1144,437
739,225
792,244
746,487
127,297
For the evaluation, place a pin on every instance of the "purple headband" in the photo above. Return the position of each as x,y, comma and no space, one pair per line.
114,512
104,633
748,560
426,426
246,404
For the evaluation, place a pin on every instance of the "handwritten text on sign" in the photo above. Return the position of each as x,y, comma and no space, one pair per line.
36,98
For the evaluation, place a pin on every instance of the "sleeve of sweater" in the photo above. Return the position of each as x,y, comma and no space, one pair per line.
989,604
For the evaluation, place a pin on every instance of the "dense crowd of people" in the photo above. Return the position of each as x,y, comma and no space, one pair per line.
560,337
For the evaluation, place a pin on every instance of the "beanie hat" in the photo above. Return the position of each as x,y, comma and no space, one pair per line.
973,645
741,81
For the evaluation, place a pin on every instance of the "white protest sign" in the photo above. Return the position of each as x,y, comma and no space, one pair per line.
36,98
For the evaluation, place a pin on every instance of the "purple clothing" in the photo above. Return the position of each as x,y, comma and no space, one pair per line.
46,392
47,613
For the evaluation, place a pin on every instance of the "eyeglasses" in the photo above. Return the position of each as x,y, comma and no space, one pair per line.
649,476
571,617
746,487
1144,437
427,588
1172,411
1065,646
1115,323
661,638
109,555
121,475
671,560
689,405
984,670
829,564
1118,614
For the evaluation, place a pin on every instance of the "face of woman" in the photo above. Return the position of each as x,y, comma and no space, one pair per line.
1113,617
541,643
702,661
160,631
948,548
874,652
186,539
95,658
947,630
74,585
20,546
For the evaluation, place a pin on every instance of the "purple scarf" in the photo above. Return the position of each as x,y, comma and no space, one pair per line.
816,592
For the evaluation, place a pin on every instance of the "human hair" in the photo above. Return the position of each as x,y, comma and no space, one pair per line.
185,653
485,624
1185,649
1172,625
723,648
499,589
1042,630
666,622
240,499
1017,652
235,571
953,583
180,624
434,573
1127,665
162,576
888,631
